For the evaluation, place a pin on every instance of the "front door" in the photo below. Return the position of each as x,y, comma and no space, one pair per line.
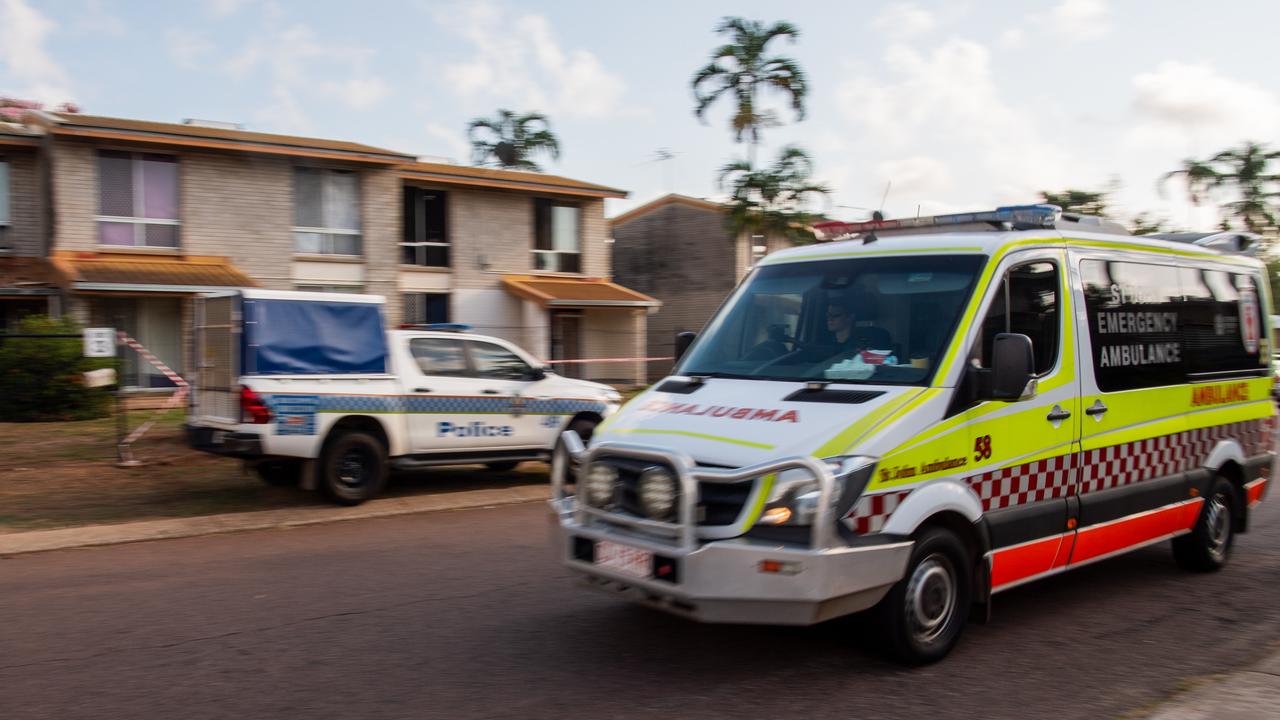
1024,453
511,382
566,334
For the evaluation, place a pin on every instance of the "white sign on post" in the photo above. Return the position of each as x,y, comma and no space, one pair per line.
99,342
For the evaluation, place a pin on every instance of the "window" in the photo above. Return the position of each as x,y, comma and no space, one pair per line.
350,289
555,237
137,200
1215,331
1027,304
439,356
326,211
426,241
4,206
1136,316
423,308
861,320
499,363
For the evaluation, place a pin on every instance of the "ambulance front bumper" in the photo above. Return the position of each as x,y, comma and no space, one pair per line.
738,580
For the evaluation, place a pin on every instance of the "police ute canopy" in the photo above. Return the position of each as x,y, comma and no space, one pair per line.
923,413
309,389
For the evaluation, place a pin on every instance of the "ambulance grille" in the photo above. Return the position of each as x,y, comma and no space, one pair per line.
719,503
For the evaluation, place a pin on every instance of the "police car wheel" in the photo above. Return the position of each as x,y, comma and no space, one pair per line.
279,473
353,468
925,612
1208,546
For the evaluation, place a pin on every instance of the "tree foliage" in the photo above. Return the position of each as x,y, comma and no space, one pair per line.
40,378
1078,201
509,140
741,68
1244,173
771,201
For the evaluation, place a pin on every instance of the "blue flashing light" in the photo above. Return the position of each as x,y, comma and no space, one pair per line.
447,327
1018,217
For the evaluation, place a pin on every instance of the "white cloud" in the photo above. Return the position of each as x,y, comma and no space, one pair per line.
1197,102
224,8
930,116
1081,19
456,144
23,31
1013,38
93,18
903,20
519,63
190,50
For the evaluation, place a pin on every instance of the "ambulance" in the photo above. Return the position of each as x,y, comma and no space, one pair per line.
925,413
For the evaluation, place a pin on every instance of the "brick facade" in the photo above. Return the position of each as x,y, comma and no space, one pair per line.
24,236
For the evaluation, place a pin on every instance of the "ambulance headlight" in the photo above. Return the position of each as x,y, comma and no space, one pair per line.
795,495
599,484
658,490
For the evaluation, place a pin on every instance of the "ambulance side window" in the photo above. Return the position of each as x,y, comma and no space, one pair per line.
1137,313
439,356
1026,303
1221,322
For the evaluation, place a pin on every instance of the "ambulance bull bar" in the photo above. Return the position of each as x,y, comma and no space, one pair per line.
688,474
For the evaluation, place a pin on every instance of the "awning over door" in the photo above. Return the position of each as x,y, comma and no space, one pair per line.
570,292
109,272
28,276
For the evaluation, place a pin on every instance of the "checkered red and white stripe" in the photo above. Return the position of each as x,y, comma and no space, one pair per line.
1101,469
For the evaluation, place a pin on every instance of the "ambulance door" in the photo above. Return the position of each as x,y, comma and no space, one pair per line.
442,404
1023,453
1133,488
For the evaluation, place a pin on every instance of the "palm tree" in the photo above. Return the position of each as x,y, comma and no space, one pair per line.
771,201
1243,170
1077,201
508,139
741,68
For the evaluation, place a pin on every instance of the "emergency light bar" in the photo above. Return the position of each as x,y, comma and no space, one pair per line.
437,327
1014,217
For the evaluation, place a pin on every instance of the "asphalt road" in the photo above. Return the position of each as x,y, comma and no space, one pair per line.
465,615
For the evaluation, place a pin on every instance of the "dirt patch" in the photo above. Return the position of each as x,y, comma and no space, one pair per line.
63,474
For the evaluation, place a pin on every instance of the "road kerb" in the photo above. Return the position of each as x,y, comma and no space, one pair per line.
93,535
1250,693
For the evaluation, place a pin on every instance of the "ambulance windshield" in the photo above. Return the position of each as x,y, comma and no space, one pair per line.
857,320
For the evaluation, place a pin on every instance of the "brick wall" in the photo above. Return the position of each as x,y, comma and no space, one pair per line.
75,195
497,225
24,235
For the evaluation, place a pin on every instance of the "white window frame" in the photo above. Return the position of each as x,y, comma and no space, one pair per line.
6,206
326,234
429,243
140,223
578,239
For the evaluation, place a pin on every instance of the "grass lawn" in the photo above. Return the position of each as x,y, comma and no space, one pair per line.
63,474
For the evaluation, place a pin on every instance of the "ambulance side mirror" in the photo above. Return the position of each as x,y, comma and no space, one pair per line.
683,341
1013,365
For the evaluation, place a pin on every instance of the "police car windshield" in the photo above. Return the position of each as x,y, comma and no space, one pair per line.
857,320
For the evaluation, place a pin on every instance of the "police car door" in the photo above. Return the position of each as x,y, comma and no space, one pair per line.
1023,453
508,378
444,400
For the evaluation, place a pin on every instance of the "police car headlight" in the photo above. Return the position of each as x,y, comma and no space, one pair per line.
600,483
613,397
795,495
658,491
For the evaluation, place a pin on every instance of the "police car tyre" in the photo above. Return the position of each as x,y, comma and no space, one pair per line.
353,468
923,615
1208,546
502,465
279,473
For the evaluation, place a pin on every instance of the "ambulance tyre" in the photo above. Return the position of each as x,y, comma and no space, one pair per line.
353,468
923,615
585,427
502,465
1208,546
279,473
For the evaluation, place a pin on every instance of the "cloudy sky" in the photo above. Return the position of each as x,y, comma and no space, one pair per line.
952,105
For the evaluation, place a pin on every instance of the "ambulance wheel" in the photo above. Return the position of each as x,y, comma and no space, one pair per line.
585,428
353,468
279,473
925,612
502,465
1208,546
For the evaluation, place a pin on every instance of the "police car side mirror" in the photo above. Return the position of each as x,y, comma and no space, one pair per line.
683,341
1013,365
537,373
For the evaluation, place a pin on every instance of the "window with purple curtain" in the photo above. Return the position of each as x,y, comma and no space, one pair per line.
137,200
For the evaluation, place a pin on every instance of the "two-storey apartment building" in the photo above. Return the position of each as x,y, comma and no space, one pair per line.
139,217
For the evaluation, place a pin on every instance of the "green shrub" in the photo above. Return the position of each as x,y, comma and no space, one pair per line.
40,377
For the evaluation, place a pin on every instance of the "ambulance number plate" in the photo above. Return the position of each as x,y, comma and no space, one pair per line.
626,560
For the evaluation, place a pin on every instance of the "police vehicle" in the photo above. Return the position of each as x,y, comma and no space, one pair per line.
928,412
308,388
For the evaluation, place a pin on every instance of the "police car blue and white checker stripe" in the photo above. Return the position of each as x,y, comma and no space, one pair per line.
444,405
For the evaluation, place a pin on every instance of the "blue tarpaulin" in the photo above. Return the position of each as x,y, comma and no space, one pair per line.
313,337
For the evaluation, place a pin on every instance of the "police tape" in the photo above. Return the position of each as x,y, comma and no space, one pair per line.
605,360
183,387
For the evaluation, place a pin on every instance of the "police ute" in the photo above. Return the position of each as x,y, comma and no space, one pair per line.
924,413
309,389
